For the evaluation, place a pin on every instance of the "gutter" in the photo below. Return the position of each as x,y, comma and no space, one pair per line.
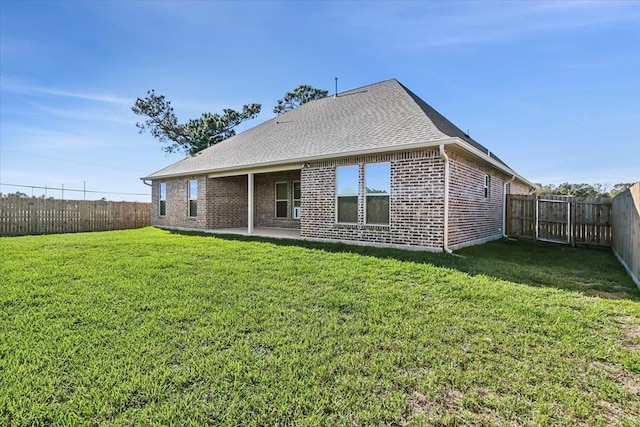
296,162
445,234
144,181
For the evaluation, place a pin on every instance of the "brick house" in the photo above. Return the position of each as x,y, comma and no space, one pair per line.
375,165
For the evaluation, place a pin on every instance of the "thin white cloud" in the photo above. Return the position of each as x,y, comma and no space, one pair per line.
35,138
17,86
81,114
110,99
419,25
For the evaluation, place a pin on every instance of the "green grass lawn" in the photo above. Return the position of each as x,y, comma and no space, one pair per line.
148,327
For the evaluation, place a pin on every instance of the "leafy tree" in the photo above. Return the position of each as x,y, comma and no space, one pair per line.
583,190
619,188
196,134
16,195
300,95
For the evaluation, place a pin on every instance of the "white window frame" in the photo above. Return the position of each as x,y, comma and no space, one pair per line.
162,201
487,183
275,213
293,197
367,194
338,195
192,198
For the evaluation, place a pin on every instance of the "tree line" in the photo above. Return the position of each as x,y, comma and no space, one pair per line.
597,190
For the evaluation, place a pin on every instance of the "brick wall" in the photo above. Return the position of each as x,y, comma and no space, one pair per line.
416,201
265,199
177,203
472,216
416,198
227,202
519,188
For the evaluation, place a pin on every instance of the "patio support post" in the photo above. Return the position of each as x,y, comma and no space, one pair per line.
249,203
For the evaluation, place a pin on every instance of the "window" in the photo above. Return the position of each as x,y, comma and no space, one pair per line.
377,179
347,193
282,200
486,186
163,198
297,210
193,197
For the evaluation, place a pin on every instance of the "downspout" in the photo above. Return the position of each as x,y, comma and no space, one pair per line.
445,239
144,181
504,206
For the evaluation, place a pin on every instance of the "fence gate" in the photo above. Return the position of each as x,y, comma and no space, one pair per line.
553,220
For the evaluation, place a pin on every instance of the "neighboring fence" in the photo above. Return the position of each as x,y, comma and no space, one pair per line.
573,220
47,216
626,230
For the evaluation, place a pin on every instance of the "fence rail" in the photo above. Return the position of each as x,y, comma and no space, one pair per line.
47,216
626,230
586,221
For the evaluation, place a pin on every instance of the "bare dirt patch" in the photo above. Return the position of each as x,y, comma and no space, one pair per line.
630,382
419,404
604,294
631,332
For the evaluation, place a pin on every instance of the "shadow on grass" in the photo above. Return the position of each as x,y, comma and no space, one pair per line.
594,272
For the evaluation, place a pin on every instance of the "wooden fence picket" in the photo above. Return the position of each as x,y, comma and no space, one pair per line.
47,216
588,223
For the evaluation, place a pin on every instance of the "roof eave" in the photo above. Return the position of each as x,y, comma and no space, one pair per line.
268,166
296,163
488,159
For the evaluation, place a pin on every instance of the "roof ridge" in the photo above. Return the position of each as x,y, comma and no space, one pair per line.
445,125
366,86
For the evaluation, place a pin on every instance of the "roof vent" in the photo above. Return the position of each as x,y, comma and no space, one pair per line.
336,93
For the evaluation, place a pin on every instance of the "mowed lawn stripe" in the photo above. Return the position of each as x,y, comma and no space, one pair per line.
152,327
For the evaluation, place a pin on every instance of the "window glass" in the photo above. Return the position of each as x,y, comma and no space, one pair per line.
193,197
486,185
296,194
377,178
347,193
281,190
296,190
281,209
163,191
282,200
347,180
377,209
348,209
193,189
163,198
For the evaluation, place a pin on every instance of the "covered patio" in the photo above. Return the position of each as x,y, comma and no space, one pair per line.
272,232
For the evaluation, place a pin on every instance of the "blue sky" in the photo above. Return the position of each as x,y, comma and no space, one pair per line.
553,88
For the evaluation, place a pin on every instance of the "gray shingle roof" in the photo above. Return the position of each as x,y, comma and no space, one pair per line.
379,116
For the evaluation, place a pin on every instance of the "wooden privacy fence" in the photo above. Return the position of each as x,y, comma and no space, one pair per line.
571,220
626,230
47,216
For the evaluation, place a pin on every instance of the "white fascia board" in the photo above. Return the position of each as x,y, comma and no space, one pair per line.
487,158
254,170
294,164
